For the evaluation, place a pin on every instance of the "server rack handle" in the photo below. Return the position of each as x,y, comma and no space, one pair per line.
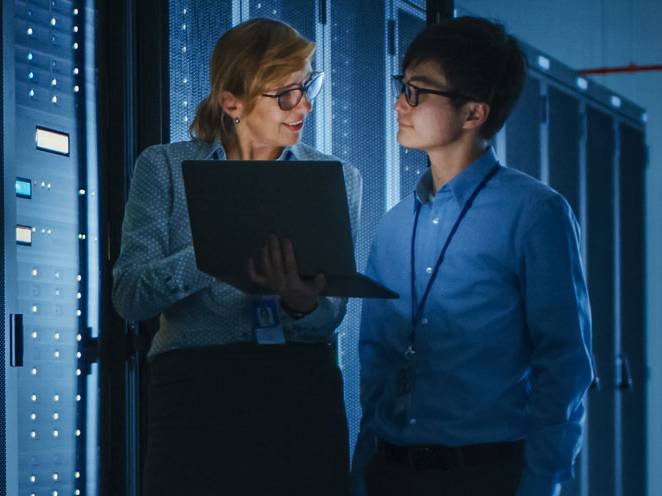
596,375
625,382
16,340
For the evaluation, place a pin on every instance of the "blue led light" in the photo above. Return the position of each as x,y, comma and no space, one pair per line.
23,187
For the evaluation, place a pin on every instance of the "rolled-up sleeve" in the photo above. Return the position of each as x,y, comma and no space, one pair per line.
558,323
148,277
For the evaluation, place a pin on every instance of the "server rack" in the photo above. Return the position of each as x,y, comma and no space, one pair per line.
583,140
51,247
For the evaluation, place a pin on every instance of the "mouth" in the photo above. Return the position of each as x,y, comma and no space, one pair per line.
294,126
402,124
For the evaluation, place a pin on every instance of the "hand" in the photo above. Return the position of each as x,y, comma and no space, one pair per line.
281,274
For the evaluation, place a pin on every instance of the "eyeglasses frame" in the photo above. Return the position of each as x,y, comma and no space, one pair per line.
454,95
303,87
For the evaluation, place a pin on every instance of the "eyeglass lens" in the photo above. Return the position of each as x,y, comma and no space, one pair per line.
290,99
400,87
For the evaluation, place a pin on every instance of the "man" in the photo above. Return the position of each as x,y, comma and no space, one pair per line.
472,382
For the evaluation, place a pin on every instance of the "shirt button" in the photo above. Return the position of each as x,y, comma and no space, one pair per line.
424,321
428,270
435,220
412,421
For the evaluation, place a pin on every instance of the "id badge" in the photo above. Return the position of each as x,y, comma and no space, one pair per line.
266,321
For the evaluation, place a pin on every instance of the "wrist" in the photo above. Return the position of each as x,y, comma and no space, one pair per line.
299,310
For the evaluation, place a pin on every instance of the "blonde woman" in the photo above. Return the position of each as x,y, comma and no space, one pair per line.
228,415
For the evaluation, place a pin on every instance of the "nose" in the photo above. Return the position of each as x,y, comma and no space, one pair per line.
304,104
401,104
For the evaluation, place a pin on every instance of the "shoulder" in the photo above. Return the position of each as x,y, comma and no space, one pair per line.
303,151
535,203
528,193
164,160
181,150
523,187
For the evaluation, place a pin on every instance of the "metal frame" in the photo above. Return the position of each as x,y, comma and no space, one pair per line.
137,116
9,470
323,124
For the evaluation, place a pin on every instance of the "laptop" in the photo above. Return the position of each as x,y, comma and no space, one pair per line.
235,205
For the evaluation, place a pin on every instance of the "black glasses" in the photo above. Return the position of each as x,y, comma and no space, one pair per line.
412,92
290,98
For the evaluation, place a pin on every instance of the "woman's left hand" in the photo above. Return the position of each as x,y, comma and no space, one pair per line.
281,274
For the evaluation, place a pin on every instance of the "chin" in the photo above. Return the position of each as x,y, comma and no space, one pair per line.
405,141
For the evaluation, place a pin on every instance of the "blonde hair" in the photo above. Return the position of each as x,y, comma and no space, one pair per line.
245,60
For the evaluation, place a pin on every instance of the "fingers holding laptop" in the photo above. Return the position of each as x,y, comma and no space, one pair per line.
279,271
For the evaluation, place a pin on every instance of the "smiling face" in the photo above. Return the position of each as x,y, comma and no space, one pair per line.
267,125
435,122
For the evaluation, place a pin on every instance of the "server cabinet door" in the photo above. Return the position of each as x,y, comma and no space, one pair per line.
194,26
632,363
600,267
523,130
563,151
53,246
564,176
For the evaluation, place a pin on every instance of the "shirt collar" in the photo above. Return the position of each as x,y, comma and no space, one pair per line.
216,151
462,185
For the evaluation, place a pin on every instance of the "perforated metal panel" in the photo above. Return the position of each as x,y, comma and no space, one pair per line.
3,419
55,248
194,25
353,117
413,163
360,70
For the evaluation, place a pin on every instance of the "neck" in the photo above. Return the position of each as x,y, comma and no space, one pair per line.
242,149
449,161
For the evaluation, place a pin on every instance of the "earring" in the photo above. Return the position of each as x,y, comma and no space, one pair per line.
236,120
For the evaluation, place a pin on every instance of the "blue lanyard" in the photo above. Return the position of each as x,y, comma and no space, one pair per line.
416,310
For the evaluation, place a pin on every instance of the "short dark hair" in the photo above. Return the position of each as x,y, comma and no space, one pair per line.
479,60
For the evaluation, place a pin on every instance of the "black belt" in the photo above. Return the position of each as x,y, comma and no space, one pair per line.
436,456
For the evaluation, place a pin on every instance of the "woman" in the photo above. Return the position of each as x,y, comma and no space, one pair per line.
228,415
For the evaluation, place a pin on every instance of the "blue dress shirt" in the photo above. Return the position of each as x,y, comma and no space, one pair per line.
503,343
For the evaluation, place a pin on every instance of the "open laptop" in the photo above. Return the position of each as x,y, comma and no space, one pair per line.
235,205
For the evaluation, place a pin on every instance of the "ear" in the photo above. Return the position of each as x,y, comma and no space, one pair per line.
476,113
231,105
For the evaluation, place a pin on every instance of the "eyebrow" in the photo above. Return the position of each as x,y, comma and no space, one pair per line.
424,79
293,85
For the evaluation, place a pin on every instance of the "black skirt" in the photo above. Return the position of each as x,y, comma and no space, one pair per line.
246,420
